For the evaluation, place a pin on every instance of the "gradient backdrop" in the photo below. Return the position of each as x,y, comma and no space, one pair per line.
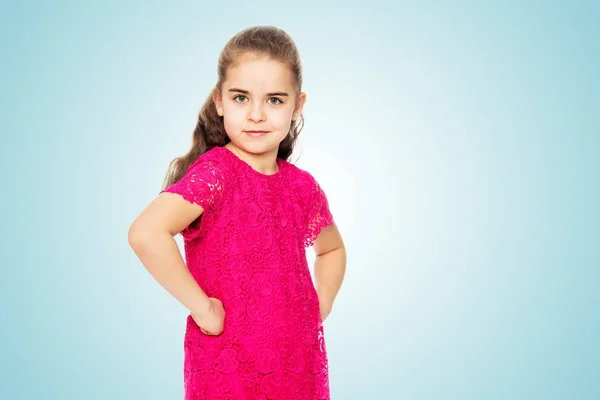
458,142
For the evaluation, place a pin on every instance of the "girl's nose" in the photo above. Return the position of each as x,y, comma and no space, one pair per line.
256,113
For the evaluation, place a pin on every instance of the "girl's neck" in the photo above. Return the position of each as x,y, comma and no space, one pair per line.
265,163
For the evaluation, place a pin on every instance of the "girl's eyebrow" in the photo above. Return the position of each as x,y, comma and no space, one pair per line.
236,90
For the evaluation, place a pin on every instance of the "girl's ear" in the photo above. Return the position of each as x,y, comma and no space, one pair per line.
218,100
299,106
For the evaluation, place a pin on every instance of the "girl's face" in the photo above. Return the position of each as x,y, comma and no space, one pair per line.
258,101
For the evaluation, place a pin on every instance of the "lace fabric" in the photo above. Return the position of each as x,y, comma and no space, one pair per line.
248,250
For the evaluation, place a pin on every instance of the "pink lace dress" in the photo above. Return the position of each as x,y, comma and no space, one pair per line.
249,251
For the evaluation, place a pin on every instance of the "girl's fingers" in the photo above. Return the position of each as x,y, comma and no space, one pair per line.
208,333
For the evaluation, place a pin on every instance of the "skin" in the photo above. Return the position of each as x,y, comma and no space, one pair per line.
258,94
254,108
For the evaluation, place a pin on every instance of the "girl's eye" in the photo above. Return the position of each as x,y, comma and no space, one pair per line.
240,98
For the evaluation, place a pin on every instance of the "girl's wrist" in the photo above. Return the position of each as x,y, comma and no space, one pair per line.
325,297
202,308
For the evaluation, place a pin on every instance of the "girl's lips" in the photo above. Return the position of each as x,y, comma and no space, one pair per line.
256,133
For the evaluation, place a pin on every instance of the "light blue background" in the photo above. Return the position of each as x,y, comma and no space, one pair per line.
458,142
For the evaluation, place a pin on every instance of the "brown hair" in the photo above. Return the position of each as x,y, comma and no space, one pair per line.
266,41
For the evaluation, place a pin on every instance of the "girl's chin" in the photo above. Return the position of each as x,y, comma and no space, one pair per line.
261,145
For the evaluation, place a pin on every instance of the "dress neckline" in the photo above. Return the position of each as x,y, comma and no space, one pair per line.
250,169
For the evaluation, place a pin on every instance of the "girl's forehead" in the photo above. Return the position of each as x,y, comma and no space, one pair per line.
260,73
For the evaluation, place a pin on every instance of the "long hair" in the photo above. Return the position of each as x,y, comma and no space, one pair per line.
210,130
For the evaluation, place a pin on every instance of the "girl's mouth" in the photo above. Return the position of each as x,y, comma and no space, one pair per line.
256,133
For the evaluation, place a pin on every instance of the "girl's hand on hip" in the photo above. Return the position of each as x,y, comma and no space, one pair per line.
211,322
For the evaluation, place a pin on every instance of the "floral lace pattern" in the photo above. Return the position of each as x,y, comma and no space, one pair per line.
248,250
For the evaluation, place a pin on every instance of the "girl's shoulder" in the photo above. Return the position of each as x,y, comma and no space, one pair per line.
215,154
304,181
296,172
214,161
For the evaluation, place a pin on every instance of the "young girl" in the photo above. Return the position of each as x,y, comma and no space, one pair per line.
246,215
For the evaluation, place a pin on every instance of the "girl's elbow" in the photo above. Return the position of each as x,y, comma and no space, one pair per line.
134,236
143,233
138,236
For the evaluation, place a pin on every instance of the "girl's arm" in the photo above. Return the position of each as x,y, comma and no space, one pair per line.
151,236
330,267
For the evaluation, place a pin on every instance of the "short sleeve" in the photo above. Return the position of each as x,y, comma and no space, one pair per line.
202,184
319,214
